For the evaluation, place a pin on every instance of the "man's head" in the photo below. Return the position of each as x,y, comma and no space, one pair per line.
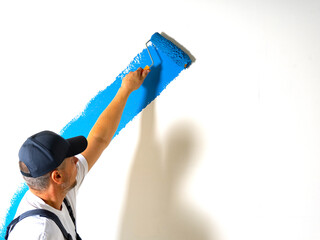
46,155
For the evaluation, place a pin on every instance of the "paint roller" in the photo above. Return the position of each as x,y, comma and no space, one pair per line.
170,49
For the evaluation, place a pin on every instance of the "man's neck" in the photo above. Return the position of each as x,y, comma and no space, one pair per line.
51,196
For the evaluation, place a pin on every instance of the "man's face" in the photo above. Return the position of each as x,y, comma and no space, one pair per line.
70,170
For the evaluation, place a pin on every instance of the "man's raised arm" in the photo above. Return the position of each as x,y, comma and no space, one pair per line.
105,127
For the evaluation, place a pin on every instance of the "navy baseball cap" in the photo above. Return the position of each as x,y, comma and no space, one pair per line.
46,150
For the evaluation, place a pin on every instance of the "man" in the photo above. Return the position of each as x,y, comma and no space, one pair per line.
54,168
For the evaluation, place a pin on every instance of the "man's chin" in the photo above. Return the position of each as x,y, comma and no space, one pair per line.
72,186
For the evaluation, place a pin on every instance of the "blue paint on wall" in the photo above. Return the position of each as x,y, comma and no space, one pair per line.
162,73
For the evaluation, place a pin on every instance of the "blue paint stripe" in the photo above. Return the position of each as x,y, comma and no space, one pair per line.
162,73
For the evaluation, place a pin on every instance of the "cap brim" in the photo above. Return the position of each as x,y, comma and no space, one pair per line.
77,145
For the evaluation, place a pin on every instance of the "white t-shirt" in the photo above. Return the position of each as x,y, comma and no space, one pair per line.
36,227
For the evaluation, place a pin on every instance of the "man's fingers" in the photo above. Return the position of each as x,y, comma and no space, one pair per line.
145,73
139,71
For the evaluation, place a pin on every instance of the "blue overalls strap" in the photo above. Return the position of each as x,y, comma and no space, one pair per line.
42,213
66,202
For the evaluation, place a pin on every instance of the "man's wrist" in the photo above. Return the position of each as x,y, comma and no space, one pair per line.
124,91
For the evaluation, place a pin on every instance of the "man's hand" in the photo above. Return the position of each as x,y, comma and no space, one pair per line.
133,80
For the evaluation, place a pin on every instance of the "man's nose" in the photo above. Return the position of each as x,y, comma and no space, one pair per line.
75,160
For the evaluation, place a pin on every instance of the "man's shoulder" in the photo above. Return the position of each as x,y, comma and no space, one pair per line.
36,227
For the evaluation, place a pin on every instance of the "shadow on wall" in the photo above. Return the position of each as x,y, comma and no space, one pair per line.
152,208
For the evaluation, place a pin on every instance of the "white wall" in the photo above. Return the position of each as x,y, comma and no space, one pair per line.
230,150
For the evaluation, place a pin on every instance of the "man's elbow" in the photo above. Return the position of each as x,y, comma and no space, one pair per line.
98,142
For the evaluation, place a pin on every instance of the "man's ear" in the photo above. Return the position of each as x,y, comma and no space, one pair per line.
56,176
